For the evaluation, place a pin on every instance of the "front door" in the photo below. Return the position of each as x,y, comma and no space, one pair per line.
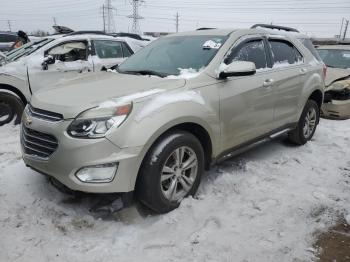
64,61
246,102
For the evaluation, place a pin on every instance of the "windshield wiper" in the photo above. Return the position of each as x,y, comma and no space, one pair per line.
145,72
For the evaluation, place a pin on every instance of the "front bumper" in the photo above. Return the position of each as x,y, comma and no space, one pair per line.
72,154
336,109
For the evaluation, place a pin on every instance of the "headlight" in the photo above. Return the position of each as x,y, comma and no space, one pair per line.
95,122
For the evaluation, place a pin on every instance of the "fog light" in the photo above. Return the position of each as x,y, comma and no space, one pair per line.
97,174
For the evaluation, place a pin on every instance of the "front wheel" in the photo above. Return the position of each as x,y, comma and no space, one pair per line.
11,108
171,170
307,124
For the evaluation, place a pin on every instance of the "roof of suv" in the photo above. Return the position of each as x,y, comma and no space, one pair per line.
228,31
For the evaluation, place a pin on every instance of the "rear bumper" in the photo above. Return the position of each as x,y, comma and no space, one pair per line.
336,109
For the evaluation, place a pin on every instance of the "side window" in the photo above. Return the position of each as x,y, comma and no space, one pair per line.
284,53
69,51
108,49
126,49
253,51
7,38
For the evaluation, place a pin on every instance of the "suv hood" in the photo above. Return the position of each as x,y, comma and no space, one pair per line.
72,97
335,74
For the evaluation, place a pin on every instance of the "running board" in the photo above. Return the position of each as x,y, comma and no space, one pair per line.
249,145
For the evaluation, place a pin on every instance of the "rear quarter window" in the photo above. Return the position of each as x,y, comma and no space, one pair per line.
309,45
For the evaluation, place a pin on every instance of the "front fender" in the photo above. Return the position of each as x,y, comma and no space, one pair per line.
18,82
150,119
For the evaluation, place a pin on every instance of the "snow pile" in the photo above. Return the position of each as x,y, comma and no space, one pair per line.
347,218
186,73
129,98
264,205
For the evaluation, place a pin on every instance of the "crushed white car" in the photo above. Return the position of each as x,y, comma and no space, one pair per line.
55,59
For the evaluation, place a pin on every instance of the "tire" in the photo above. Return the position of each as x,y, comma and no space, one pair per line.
11,108
299,135
160,163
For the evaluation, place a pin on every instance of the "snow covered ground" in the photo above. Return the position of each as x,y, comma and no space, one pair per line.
265,205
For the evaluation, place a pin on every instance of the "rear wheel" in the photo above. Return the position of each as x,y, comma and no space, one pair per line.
11,108
171,171
307,124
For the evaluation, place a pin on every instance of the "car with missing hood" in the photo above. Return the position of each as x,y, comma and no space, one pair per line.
337,93
182,103
42,63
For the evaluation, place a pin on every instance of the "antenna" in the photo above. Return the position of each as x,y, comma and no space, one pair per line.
135,15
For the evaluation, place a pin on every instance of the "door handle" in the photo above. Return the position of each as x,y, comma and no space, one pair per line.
268,82
303,71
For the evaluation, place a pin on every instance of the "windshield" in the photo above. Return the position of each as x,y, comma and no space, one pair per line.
335,58
171,55
27,49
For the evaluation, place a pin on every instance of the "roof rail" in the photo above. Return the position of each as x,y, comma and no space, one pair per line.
205,28
279,27
86,32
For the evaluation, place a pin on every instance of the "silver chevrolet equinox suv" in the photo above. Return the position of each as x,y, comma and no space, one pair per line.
184,102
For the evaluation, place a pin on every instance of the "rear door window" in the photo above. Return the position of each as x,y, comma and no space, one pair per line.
251,51
284,53
108,49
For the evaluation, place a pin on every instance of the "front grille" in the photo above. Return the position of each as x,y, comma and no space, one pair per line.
43,114
36,143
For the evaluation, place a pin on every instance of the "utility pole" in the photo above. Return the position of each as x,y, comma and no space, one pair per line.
9,24
346,28
341,27
54,21
108,19
177,22
104,18
135,15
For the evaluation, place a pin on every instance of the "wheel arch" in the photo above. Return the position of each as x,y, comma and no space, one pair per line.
14,90
317,96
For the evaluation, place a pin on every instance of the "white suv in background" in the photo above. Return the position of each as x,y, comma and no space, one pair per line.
55,59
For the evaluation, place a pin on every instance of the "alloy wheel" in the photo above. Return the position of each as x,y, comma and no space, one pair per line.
179,173
310,122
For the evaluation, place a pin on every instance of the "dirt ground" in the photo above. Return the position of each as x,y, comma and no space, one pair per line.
334,245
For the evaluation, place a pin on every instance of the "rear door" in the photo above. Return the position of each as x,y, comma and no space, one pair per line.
109,53
289,72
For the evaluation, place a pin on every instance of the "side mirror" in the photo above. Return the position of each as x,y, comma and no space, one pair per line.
49,60
238,68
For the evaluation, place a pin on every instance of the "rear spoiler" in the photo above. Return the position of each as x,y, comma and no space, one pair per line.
278,27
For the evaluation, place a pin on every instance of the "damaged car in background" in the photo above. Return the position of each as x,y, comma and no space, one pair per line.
55,59
337,93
